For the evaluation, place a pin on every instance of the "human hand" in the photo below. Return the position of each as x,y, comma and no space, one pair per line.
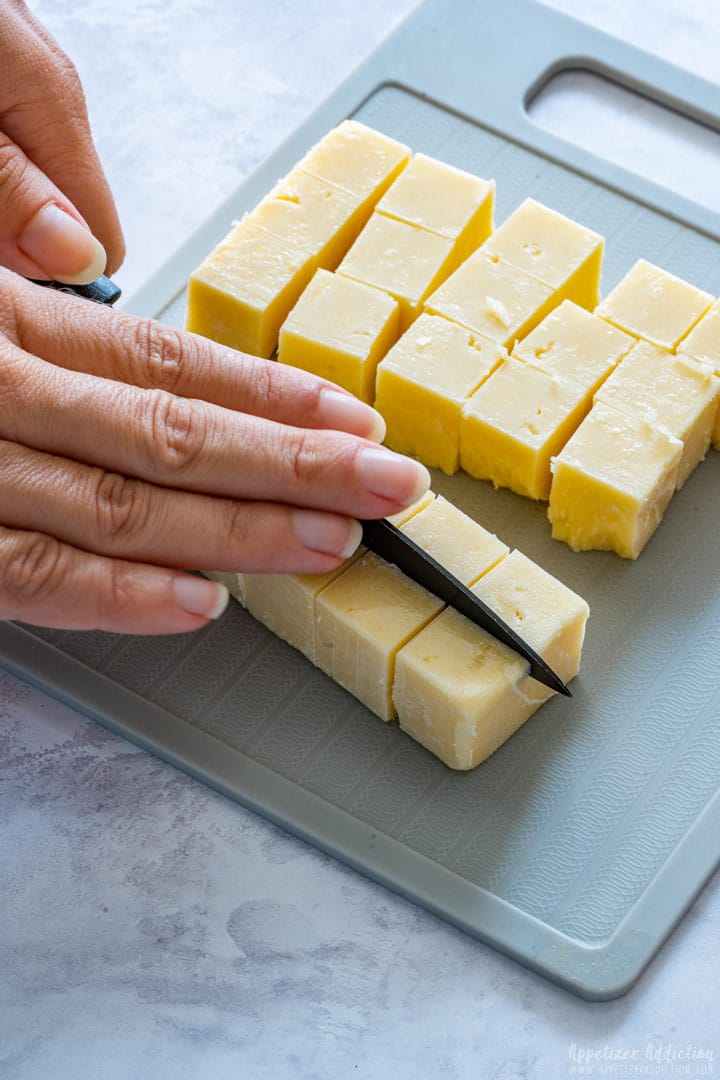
57,215
128,450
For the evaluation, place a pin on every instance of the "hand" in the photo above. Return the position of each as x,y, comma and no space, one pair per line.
57,216
127,448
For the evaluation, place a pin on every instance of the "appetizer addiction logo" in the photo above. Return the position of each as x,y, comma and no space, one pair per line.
653,1059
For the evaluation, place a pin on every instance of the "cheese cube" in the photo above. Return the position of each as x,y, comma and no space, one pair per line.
652,304
492,298
358,159
234,583
612,482
311,214
455,540
340,329
570,343
410,511
680,394
423,382
515,423
703,343
241,293
404,261
460,692
438,197
552,248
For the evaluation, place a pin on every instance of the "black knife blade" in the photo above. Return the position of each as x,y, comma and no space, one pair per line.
395,546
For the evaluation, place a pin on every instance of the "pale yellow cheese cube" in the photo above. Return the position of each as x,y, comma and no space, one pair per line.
703,343
438,197
552,248
241,293
403,260
422,384
492,298
513,425
340,329
652,304
455,540
680,394
613,481
410,511
573,344
314,215
460,692
357,158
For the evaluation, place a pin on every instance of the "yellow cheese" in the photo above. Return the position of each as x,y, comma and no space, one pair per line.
241,293
652,304
410,511
612,482
573,344
515,423
357,158
680,394
460,692
403,260
703,343
455,540
423,382
552,248
492,298
438,197
340,329
314,215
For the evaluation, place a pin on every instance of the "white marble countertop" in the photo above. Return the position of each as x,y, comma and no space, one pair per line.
150,928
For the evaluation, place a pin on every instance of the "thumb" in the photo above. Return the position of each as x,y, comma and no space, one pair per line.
42,235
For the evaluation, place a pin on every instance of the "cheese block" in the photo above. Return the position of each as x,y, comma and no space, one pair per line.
362,161
445,200
422,383
492,298
561,253
703,343
460,692
311,214
455,540
403,260
681,394
575,345
513,425
340,329
241,293
612,481
652,304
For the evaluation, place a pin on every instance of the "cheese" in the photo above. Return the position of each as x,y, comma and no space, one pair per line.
422,383
241,293
435,196
681,394
234,583
652,304
358,159
612,481
313,215
557,251
455,540
339,330
403,260
574,345
460,692
492,298
515,423
703,343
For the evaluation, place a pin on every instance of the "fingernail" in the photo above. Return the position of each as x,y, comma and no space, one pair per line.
392,476
62,247
343,412
330,534
198,596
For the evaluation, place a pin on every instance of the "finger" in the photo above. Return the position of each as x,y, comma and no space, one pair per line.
85,337
45,115
111,515
48,583
192,445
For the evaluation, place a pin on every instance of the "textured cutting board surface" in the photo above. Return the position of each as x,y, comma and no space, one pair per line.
577,846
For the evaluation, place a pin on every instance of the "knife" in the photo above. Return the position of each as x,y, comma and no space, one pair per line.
395,546
102,290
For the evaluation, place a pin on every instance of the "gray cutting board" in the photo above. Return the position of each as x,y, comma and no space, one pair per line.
579,844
